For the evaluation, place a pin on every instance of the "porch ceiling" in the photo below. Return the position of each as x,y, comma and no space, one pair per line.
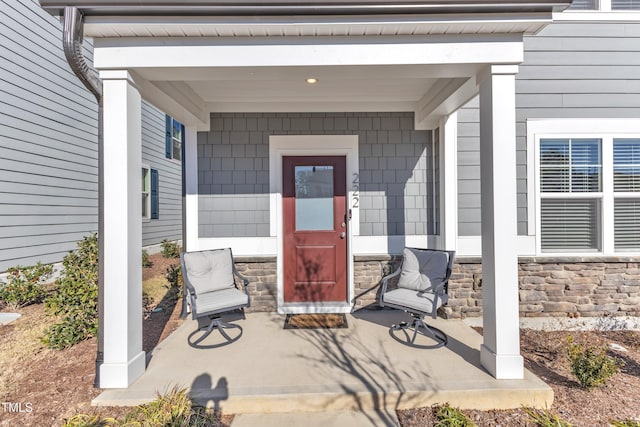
284,89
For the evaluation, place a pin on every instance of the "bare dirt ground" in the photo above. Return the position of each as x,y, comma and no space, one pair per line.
50,386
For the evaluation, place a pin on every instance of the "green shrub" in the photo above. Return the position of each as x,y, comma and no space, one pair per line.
171,409
75,300
625,423
448,416
174,276
145,259
170,249
544,418
84,420
591,366
25,285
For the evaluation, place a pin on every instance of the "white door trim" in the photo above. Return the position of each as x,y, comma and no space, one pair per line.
312,145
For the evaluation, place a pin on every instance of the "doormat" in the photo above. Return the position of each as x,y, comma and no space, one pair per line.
315,321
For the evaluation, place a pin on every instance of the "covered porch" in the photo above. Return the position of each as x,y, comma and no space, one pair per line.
427,59
271,369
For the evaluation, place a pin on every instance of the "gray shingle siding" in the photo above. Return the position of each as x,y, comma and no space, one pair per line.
233,170
570,70
48,138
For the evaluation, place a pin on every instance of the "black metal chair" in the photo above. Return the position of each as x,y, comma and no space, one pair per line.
211,291
422,289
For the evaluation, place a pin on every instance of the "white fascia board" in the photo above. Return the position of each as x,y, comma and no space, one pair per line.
191,114
188,52
597,16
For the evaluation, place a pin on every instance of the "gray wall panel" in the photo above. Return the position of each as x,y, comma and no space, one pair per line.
571,70
233,167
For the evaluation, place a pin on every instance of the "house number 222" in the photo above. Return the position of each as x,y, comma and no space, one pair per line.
355,187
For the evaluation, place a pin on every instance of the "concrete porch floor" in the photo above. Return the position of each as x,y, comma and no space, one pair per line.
270,369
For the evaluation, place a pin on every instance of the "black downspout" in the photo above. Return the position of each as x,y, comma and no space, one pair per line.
72,44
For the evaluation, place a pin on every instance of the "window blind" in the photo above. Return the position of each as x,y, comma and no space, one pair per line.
584,4
570,225
570,165
625,4
627,224
626,165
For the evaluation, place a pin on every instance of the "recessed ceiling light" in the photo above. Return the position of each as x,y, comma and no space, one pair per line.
312,80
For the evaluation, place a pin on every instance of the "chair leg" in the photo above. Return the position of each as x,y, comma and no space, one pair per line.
220,325
433,332
418,323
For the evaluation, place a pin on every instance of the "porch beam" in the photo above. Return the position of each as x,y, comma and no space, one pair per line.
121,233
339,51
500,352
187,107
449,105
435,103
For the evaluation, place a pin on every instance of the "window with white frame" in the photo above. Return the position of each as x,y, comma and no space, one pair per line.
570,194
626,193
150,199
174,138
146,192
604,5
588,186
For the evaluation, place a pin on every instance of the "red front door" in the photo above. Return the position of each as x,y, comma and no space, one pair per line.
315,229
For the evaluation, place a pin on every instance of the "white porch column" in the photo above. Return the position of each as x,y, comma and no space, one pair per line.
500,352
449,181
121,259
190,214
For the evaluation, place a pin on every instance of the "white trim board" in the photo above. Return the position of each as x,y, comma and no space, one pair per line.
310,145
605,130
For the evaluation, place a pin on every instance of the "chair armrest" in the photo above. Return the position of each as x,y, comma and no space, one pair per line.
384,283
245,283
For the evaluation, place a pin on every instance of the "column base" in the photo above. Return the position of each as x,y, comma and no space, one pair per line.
502,366
121,375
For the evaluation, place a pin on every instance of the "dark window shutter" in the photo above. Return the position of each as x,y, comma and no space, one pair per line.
167,137
155,199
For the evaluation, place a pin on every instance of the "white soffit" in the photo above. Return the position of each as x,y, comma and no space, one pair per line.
190,26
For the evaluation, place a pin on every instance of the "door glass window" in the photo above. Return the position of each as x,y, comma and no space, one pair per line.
314,197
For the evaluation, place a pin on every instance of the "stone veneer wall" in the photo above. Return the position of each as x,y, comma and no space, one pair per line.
549,287
263,285
555,287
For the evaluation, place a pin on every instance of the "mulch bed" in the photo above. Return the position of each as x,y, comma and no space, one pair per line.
545,355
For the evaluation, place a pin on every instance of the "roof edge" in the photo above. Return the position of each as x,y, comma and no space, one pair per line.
298,7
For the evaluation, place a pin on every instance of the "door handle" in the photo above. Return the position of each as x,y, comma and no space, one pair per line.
343,235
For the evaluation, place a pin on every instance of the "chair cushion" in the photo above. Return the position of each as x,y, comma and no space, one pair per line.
209,271
220,300
422,268
415,300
